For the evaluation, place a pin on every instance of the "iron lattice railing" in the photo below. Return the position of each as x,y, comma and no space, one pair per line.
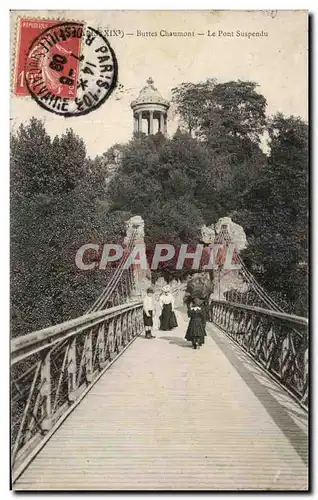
276,341
52,369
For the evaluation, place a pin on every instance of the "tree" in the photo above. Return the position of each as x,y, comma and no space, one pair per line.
190,99
31,160
228,118
238,109
58,203
69,162
273,212
221,110
157,180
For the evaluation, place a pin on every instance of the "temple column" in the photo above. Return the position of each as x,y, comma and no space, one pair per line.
135,123
165,125
140,121
150,122
161,123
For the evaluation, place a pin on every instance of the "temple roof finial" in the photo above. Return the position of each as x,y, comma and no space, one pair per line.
149,95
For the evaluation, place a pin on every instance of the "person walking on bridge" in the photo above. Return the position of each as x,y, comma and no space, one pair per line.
196,328
148,308
167,318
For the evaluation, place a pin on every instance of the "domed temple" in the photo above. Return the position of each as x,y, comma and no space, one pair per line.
152,107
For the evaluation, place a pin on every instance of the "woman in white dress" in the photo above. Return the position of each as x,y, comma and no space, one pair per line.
167,318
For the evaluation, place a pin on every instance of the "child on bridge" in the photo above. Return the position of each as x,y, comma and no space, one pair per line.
196,328
148,313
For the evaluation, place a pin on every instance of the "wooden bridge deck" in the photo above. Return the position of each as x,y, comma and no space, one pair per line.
167,417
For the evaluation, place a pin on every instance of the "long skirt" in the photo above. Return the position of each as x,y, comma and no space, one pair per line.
167,318
204,309
148,320
196,331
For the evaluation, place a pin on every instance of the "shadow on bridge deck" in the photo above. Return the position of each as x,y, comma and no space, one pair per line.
167,417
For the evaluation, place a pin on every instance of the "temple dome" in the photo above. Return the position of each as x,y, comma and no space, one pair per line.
150,95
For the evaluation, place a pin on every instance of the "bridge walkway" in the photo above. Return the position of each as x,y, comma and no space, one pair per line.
167,417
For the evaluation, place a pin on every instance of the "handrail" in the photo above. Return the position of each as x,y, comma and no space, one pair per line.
267,312
276,341
53,368
34,342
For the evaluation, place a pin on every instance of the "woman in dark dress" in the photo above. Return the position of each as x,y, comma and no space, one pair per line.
196,328
167,318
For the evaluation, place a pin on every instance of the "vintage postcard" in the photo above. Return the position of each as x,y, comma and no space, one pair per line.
159,250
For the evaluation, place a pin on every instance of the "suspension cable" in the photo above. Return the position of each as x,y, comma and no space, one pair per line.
113,280
262,292
115,277
258,293
119,274
259,290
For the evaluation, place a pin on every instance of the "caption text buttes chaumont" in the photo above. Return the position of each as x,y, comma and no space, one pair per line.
209,33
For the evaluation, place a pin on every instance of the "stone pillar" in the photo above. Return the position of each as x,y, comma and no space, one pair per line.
165,125
140,121
150,122
141,277
161,123
226,280
135,123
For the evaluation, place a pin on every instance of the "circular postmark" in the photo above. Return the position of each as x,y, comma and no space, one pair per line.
70,69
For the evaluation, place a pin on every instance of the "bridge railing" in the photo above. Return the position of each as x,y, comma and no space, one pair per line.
276,341
52,369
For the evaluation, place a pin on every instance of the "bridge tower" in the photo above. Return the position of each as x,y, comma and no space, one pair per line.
150,106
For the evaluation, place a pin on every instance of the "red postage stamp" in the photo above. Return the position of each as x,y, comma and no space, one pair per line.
59,70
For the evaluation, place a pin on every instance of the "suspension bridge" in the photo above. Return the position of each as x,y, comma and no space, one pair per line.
96,406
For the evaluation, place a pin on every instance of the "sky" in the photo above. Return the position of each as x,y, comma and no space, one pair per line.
277,62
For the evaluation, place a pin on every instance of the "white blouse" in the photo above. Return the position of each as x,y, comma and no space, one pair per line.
166,299
148,304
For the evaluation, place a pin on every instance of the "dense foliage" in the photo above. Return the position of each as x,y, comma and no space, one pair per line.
216,167
274,213
58,204
212,167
